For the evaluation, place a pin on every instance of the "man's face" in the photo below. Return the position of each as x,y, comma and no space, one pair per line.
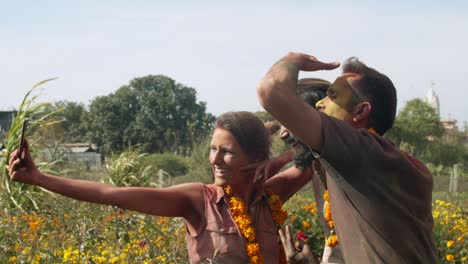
340,100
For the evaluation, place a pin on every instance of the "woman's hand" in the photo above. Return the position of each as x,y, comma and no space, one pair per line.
23,169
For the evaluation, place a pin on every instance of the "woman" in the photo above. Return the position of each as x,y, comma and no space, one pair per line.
229,221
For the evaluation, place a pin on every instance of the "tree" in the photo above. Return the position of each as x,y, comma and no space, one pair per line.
154,112
105,123
72,114
416,126
418,131
446,154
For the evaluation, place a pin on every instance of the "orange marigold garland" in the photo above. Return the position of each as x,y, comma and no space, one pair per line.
276,206
372,131
279,217
332,239
242,218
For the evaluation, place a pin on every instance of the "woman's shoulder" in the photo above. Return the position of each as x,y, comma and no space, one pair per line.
209,190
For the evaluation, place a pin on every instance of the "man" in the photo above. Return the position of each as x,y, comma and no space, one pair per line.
380,197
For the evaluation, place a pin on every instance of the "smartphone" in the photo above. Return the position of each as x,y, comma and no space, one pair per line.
22,138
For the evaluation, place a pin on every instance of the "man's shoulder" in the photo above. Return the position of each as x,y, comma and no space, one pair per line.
416,163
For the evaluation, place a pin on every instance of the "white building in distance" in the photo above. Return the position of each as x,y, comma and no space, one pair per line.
433,100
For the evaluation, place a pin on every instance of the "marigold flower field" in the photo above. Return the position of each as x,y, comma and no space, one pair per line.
68,231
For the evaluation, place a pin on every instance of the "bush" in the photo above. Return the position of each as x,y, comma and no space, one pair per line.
168,162
199,168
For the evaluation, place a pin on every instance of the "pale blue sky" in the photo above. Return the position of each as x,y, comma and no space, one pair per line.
222,49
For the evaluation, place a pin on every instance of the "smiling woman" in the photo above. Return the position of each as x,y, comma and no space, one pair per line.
239,138
234,220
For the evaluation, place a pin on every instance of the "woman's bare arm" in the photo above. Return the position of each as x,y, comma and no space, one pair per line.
184,200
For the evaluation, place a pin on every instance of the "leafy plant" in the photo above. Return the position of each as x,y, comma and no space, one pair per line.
20,195
128,169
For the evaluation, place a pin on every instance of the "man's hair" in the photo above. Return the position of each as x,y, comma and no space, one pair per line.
378,90
249,131
312,90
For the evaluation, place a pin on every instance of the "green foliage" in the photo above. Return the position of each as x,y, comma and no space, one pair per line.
20,195
72,114
278,146
199,168
154,112
264,116
445,154
128,169
418,131
416,124
173,164
304,217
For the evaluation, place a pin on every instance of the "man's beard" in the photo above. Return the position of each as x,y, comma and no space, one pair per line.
303,155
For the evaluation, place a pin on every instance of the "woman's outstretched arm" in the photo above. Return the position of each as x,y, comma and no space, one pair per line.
185,200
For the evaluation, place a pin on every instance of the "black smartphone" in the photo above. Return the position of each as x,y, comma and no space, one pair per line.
22,138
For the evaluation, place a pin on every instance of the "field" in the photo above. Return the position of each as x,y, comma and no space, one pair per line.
67,231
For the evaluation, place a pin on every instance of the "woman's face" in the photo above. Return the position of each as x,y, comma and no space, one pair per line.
226,158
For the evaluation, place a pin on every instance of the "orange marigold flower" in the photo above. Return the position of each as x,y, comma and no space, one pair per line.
249,234
332,241
450,243
449,257
252,249
325,196
372,131
257,259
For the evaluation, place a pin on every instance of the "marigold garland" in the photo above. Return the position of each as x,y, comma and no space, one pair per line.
276,206
372,131
242,218
279,217
332,239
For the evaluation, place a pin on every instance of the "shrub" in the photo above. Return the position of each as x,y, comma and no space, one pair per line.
168,162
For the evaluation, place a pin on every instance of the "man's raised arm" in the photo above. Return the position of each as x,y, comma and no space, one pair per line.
277,95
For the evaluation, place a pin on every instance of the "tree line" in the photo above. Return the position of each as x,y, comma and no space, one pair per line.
152,112
418,131
159,115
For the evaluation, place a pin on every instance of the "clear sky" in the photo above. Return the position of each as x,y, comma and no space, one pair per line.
222,49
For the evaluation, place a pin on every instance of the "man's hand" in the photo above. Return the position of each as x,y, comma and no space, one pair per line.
306,62
306,256
266,169
23,170
277,95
